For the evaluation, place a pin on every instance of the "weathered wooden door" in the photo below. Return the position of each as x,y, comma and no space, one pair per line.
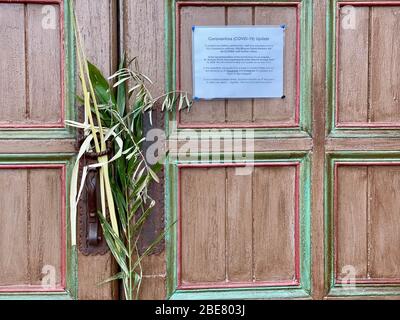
315,217
362,222
318,215
37,151
243,234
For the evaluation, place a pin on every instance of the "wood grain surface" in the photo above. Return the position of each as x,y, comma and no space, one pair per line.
237,228
367,226
31,226
30,94
368,86
12,60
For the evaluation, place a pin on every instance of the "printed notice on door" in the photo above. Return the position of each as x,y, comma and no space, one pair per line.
238,62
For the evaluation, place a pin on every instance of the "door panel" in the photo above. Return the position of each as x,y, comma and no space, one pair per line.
242,235
233,113
385,54
14,222
384,223
363,225
351,226
372,38
275,224
367,226
37,260
203,219
33,227
246,250
353,104
13,93
45,94
30,100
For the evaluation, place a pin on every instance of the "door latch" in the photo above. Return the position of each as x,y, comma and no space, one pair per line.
93,203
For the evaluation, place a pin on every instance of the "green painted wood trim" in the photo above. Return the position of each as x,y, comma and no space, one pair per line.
305,123
245,1
171,218
35,158
306,66
333,289
259,157
361,291
304,290
69,98
235,294
72,251
70,67
305,223
33,296
220,133
170,58
39,134
330,64
67,159
328,227
332,130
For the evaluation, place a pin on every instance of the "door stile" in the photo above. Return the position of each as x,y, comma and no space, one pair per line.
318,153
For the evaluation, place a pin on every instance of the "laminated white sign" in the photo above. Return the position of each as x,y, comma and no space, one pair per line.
238,62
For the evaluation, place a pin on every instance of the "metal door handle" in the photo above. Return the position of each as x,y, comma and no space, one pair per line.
93,198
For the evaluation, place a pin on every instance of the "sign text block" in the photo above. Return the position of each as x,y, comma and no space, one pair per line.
238,62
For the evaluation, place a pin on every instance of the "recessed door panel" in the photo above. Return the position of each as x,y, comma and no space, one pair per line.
33,227
270,112
31,94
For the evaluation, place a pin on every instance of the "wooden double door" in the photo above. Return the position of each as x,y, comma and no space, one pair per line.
316,216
